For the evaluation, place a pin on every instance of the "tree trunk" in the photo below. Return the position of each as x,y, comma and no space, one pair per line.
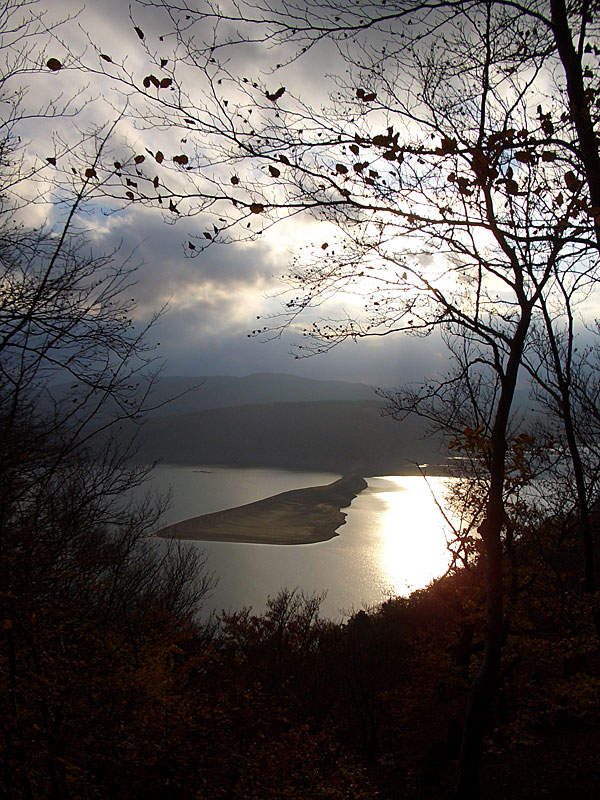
483,688
579,106
579,103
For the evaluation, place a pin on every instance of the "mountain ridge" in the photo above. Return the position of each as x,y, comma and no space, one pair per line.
218,391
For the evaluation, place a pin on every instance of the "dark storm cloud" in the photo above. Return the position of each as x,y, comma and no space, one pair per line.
213,301
168,273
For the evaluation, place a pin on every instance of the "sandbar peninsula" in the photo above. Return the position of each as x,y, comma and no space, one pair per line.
300,516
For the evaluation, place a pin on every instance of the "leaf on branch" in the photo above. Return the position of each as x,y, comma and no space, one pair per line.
131,183
191,245
90,173
381,140
548,155
139,32
234,180
106,58
464,186
284,160
447,146
524,157
572,183
117,164
53,64
51,160
182,160
139,159
325,245
207,235
354,149
480,163
360,165
173,207
155,182
189,121
164,62
257,208
366,97
151,79
341,169
159,157
275,173
130,195
165,83
274,96
512,187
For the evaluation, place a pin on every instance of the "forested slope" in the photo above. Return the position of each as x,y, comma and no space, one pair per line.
336,436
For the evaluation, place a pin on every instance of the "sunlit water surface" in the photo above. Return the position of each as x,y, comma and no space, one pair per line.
394,539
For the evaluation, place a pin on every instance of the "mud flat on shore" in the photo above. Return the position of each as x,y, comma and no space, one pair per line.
300,516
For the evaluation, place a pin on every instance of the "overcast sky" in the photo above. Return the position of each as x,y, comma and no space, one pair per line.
213,300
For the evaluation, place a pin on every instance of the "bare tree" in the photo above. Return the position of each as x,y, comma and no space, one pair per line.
77,561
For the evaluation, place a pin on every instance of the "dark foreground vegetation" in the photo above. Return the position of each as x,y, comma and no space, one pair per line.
111,688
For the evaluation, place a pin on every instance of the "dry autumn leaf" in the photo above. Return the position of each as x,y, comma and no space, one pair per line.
275,95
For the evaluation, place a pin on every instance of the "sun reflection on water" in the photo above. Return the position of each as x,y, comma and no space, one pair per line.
413,545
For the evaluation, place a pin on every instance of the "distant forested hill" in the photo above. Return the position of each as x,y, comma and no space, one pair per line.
340,434
186,395
274,420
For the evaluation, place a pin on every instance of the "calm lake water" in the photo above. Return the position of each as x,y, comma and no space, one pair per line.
393,541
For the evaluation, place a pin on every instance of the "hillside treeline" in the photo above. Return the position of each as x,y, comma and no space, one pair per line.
335,436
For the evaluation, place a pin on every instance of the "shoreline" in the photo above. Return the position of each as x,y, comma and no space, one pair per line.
299,516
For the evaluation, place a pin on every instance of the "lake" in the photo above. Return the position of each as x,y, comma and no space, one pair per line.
393,541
